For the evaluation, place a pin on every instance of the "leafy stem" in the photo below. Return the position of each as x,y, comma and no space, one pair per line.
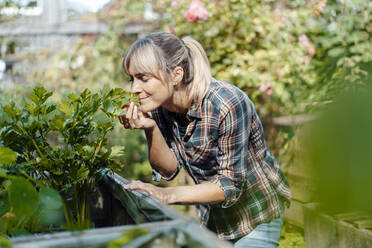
98,148
37,182
32,139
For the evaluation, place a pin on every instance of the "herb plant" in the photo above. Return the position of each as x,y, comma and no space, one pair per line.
63,146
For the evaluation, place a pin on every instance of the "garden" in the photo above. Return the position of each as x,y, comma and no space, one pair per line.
64,157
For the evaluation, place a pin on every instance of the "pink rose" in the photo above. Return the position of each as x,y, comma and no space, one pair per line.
196,12
266,88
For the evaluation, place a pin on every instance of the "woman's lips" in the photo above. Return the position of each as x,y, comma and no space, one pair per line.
143,98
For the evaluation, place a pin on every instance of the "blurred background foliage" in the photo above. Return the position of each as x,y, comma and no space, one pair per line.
290,57
337,148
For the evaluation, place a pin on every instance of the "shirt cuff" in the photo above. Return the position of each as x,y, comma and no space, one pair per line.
156,176
230,189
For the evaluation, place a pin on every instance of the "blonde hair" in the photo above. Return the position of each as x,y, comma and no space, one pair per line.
159,53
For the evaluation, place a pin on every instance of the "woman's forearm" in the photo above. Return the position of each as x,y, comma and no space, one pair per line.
204,193
160,156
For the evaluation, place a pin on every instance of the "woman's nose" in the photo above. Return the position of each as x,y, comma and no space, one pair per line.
135,87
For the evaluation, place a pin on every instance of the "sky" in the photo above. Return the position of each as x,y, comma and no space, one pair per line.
86,5
78,5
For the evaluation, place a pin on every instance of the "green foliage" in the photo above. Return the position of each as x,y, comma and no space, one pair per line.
249,43
7,156
337,148
128,237
21,191
342,36
16,217
135,149
303,55
5,242
60,146
90,64
291,238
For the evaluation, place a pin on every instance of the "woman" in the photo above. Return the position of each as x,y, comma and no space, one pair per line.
211,129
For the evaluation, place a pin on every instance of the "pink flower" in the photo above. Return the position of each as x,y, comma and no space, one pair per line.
307,45
196,12
175,4
266,88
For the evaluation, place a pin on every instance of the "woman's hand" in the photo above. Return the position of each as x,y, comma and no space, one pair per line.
135,118
161,194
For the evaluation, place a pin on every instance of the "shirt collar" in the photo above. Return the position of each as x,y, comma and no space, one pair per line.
195,111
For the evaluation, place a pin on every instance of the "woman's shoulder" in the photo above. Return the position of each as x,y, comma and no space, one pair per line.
226,96
224,90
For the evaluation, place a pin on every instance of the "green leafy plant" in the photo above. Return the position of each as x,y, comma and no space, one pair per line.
342,36
43,208
63,146
254,45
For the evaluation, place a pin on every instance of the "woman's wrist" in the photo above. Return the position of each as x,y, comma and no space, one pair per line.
151,126
171,193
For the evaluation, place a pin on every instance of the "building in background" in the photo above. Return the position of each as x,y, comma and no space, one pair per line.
54,24
49,25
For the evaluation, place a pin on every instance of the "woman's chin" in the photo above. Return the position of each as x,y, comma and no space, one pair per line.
147,108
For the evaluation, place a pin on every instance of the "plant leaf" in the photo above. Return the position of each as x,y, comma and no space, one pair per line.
23,198
66,108
57,122
117,151
50,198
3,172
7,156
82,173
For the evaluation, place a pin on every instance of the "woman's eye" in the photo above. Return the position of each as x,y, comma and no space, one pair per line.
144,80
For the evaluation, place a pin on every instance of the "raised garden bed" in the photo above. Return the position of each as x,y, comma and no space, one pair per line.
342,230
133,219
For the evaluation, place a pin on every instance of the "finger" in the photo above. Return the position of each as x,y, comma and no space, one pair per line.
135,113
132,116
124,122
138,186
130,111
121,119
132,186
129,115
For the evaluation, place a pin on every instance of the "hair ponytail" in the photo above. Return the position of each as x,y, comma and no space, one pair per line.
201,72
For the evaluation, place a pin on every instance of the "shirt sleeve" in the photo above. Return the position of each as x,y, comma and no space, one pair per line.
156,176
159,119
233,163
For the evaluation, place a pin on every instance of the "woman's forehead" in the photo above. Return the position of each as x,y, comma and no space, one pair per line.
136,71
142,67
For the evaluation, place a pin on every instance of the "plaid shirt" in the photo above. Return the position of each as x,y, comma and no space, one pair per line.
224,144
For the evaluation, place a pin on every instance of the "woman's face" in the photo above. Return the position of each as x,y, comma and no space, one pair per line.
152,91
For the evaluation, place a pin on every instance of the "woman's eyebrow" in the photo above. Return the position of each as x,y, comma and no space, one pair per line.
138,75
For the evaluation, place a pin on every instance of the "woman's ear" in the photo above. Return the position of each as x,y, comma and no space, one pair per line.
177,75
